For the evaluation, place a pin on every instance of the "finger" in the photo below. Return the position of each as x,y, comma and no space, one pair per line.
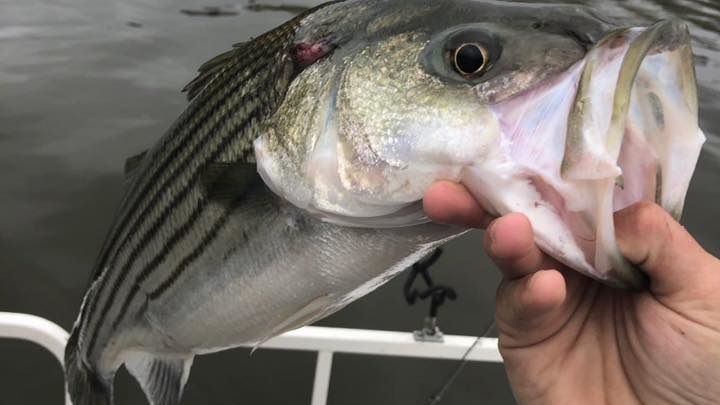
450,203
510,243
649,237
527,306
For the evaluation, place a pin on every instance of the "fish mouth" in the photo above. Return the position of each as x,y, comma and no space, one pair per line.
618,127
655,83
622,53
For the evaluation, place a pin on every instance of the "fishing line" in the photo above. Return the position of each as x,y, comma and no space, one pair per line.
438,294
450,379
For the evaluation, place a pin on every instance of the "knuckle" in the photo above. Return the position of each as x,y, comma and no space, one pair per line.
647,219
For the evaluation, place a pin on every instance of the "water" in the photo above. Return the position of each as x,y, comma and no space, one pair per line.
86,83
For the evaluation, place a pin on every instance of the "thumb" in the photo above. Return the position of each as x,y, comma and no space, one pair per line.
649,237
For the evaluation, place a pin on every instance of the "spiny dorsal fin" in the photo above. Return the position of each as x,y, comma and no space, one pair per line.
132,163
247,58
162,378
210,69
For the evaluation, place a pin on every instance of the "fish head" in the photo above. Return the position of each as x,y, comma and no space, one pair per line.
537,109
407,100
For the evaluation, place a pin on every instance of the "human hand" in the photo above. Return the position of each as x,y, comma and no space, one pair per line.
567,339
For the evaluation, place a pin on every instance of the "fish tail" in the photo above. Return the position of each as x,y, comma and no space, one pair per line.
85,385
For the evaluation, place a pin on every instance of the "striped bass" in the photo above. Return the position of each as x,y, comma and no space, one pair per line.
292,184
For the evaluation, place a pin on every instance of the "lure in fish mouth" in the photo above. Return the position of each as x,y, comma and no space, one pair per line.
291,185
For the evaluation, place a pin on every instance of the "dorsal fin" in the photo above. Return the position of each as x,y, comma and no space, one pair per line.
132,163
210,69
246,58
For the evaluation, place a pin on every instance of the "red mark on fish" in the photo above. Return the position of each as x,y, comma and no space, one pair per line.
305,54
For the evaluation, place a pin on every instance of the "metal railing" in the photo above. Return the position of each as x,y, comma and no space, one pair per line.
323,340
37,330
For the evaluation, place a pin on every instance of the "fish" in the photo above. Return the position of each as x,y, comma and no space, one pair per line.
292,184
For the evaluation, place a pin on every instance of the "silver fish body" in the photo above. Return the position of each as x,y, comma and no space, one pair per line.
292,183
254,265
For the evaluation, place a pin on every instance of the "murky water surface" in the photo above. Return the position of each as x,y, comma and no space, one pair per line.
86,83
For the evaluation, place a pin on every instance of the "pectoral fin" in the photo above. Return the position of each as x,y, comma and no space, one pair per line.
228,182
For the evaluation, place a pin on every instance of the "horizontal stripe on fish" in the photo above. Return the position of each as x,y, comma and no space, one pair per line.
189,159
167,247
226,82
175,201
151,192
186,261
175,143
222,148
251,63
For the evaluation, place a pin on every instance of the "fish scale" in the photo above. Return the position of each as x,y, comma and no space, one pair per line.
198,115
175,201
202,112
167,183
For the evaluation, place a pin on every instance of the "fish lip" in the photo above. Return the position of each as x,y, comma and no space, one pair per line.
663,36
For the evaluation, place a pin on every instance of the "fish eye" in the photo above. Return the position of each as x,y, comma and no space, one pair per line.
470,59
463,55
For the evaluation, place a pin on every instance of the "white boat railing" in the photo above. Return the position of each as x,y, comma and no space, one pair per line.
37,330
323,340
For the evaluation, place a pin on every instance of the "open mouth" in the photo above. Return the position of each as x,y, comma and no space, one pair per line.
637,140
618,127
633,80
